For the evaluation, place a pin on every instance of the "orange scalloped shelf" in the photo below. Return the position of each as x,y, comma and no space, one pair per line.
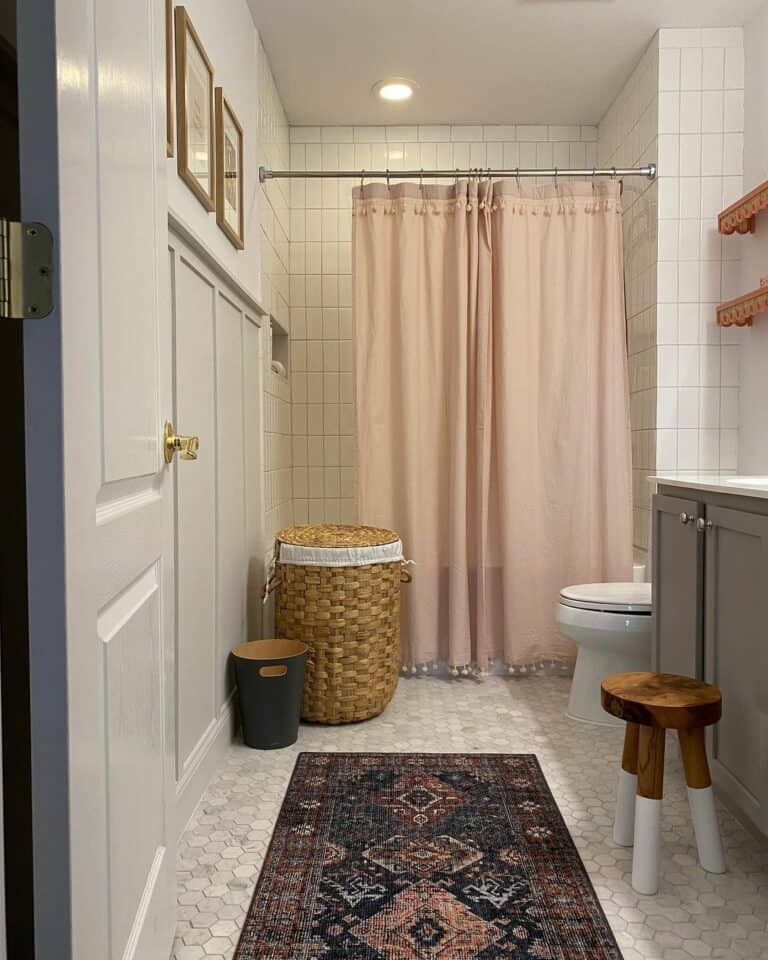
740,216
740,311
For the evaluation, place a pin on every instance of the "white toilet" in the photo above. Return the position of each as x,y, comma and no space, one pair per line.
611,624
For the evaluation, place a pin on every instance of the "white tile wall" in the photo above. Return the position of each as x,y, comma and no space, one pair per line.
684,106
324,456
629,136
275,224
701,81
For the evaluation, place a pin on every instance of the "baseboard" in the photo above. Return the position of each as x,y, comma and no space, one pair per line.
208,755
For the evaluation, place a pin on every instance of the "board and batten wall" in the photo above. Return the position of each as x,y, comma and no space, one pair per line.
232,499
218,385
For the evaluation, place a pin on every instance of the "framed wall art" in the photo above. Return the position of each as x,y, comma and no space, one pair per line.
229,171
194,111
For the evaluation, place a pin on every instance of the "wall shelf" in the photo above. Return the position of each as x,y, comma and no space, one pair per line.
740,311
740,216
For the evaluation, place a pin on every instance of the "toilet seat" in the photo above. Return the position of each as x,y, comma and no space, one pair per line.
610,623
623,598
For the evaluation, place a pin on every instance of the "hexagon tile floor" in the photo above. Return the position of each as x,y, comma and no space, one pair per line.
694,914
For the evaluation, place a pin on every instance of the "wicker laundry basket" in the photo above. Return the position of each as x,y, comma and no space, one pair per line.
338,591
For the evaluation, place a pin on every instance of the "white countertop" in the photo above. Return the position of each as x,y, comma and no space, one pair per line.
716,483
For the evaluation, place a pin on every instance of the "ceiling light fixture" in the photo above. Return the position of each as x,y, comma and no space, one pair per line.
395,89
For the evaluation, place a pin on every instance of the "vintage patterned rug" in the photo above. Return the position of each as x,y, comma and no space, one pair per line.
422,857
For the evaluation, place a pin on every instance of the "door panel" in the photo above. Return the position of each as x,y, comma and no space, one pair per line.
736,659
92,113
194,319
678,559
130,630
127,162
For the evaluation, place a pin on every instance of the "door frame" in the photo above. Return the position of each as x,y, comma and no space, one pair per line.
16,847
41,183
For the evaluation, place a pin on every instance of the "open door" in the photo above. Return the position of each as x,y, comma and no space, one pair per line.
98,393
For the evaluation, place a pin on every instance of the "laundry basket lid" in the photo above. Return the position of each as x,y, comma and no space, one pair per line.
338,545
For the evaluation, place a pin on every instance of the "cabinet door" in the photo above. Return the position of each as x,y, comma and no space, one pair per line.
736,655
678,579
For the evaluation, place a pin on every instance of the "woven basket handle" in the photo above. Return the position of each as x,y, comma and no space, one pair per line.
405,576
270,586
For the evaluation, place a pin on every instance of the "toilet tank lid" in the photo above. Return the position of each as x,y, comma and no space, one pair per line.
609,596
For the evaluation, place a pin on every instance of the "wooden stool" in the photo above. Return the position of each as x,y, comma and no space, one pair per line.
651,704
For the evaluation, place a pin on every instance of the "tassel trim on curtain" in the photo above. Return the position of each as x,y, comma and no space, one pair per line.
557,667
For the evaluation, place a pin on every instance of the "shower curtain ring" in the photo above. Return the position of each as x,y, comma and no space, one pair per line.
388,187
517,176
594,181
362,185
613,173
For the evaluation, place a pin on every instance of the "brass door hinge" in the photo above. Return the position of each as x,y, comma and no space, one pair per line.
26,266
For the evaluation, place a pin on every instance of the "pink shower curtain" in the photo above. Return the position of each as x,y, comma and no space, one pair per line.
493,406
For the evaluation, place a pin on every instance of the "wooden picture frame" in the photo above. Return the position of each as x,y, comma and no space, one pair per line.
194,112
169,78
229,172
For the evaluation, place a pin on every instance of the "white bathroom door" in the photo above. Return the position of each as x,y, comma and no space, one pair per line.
98,379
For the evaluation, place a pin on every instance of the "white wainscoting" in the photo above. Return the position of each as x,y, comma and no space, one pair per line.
219,543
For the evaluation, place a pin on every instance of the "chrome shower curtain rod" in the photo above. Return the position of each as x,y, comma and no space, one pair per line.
265,173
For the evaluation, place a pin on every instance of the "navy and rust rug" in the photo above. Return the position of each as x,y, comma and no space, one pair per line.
381,856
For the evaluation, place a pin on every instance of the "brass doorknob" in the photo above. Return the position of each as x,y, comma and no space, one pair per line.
173,443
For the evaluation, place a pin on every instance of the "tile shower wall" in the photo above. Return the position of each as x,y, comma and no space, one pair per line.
274,219
683,368
701,137
628,136
322,356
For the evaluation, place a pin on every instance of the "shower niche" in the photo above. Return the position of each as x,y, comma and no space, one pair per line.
279,352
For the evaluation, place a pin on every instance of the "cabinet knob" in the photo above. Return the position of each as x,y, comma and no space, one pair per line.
703,525
686,517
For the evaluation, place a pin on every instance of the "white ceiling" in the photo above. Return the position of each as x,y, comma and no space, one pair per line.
490,61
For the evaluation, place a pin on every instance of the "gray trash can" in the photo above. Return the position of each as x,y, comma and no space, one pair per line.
270,675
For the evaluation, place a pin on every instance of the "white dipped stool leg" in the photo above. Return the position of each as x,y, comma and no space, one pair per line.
706,829
624,821
646,857
701,800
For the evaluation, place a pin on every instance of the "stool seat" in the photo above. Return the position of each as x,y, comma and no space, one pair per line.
651,704
664,700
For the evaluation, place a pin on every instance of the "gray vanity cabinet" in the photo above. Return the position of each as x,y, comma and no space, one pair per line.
736,654
710,581
678,564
